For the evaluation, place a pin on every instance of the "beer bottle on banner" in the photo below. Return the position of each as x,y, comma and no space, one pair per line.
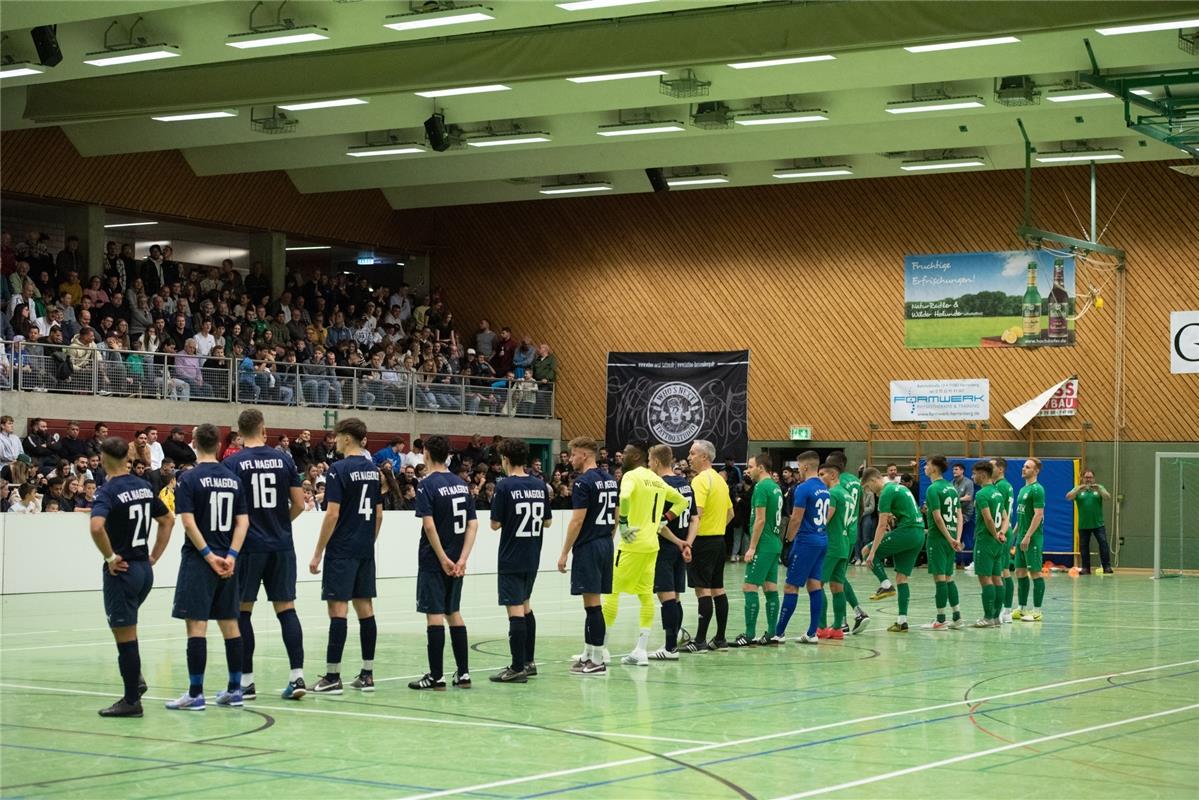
1059,305
1032,308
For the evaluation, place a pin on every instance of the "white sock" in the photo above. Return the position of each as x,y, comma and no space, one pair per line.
589,652
333,669
296,674
247,678
887,583
642,641
902,618
368,664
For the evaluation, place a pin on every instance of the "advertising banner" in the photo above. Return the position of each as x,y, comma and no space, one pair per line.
1184,341
940,400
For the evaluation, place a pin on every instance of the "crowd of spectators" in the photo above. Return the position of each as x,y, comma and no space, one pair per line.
156,327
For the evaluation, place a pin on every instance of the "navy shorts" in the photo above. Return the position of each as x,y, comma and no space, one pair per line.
807,562
670,572
706,570
276,571
591,567
348,579
515,588
437,593
125,592
202,594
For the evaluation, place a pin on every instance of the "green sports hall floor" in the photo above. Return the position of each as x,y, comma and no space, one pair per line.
1099,700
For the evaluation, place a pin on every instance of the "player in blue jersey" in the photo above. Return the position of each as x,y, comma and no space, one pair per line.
589,537
809,516
519,511
447,514
271,485
670,571
353,517
212,508
120,527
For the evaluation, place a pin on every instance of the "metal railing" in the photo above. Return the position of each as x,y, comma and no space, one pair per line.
97,370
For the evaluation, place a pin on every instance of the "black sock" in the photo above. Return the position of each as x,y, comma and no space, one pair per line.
368,633
530,637
233,650
436,648
461,648
678,616
516,642
129,660
672,633
705,617
721,602
337,643
293,639
597,629
197,659
246,627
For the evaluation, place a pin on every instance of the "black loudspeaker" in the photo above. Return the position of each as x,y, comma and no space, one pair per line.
657,180
45,39
435,130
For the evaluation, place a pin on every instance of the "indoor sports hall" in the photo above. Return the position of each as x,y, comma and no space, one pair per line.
773,399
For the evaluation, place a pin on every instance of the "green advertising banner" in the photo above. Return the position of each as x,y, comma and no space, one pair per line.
1005,299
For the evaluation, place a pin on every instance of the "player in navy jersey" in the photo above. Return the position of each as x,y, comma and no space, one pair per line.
589,536
519,511
272,488
353,517
670,572
447,514
212,508
809,518
120,527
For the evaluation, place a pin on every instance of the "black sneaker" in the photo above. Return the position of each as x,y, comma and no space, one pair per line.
509,675
1108,571
461,680
696,647
122,709
363,683
427,681
860,622
741,641
326,686
718,644
142,688
249,692
531,668
763,640
294,691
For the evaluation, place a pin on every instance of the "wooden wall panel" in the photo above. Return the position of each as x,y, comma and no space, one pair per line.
809,277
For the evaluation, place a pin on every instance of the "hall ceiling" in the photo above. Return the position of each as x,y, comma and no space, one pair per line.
533,46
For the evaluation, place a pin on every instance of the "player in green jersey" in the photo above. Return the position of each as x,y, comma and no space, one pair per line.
1030,538
853,494
990,555
765,545
837,556
943,514
903,543
1007,493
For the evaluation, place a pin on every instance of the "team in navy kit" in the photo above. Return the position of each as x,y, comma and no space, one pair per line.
272,488
448,526
212,508
670,571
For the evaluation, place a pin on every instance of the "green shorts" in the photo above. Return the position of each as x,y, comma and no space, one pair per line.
903,545
990,557
1032,558
941,555
834,569
763,569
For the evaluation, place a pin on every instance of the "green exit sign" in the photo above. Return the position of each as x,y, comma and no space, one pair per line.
801,433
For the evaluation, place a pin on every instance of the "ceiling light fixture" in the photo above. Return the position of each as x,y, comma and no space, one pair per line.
389,149
187,117
1074,156
932,48
1148,27
941,163
618,76
461,15
641,128
1143,92
308,33
781,117
129,224
934,104
822,171
696,180
576,188
588,5
338,103
20,69
493,87
309,247
1075,94
504,139
131,55
781,62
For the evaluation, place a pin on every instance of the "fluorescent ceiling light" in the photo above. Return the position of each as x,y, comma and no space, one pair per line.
781,117
1148,27
338,103
576,188
111,58
493,87
389,149
1071,95
696,180
1069,156
128,224
931,48
437,19
945,163
21,69
781,62
309,247
823,171
617,76
533,137
1143,92
636,129
225,112
588,5
306,33
943,104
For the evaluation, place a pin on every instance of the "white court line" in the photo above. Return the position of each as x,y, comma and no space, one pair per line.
983,753
108,642
638,736
736,742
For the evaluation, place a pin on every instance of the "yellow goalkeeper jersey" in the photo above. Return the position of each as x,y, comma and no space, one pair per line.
644,499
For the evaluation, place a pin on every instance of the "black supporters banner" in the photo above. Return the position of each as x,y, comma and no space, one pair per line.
676,398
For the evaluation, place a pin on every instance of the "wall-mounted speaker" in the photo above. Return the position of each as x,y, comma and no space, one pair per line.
435,130
657,179
45,39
